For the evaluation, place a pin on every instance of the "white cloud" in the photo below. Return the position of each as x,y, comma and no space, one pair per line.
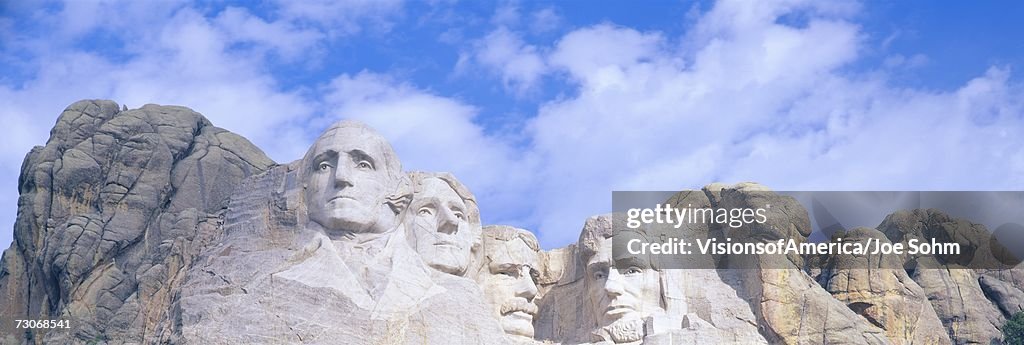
544,20
340,18
746,96
286,38
520,65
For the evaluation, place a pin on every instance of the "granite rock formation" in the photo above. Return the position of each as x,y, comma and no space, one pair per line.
152,226
112,211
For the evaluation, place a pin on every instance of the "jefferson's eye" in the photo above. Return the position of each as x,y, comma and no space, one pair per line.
324,166
364,165
426,211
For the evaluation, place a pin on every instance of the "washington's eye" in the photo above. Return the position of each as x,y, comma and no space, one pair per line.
324,166
634,270
364,165
426,211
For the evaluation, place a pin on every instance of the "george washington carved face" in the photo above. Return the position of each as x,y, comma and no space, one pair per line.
349,172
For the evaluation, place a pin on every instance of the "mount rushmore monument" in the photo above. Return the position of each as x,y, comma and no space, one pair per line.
151,225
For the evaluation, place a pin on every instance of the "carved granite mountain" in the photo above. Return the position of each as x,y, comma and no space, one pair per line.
152,226
113,209
886,297
955,294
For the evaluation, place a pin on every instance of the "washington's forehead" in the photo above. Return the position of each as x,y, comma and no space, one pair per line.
347,139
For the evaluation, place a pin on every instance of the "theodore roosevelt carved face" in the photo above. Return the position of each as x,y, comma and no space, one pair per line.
508,277
349,174
443,222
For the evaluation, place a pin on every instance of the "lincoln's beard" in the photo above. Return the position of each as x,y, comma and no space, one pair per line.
623,331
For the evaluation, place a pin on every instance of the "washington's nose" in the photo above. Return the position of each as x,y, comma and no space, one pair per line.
342,176
447,222
613,285
525,287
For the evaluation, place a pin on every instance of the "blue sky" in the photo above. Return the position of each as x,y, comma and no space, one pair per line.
543,108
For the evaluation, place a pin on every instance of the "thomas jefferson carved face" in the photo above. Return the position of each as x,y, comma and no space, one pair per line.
509,278
619,298
348,173
440,227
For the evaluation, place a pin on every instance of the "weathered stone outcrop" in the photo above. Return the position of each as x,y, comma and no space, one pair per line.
791,308
113,209
877,288
955,293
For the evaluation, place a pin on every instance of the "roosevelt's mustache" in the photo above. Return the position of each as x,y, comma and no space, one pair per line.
518,304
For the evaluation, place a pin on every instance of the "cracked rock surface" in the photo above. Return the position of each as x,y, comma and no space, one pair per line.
113,209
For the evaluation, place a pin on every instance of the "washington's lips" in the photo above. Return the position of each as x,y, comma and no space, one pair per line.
336,197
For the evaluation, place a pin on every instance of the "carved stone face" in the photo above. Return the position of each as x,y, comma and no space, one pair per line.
620,297
439,227
509,283
347,182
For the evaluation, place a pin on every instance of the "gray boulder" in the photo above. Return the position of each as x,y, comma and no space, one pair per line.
113,209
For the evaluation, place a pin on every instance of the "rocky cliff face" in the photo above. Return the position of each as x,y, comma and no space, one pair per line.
153,226
112,211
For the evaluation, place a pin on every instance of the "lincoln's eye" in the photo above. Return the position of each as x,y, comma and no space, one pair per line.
324,166
634,270
459,215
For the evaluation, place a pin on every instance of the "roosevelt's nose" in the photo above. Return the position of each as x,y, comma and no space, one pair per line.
525,286
613,284
447,222
342,176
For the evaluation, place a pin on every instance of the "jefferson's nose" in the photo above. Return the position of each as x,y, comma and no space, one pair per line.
447,222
